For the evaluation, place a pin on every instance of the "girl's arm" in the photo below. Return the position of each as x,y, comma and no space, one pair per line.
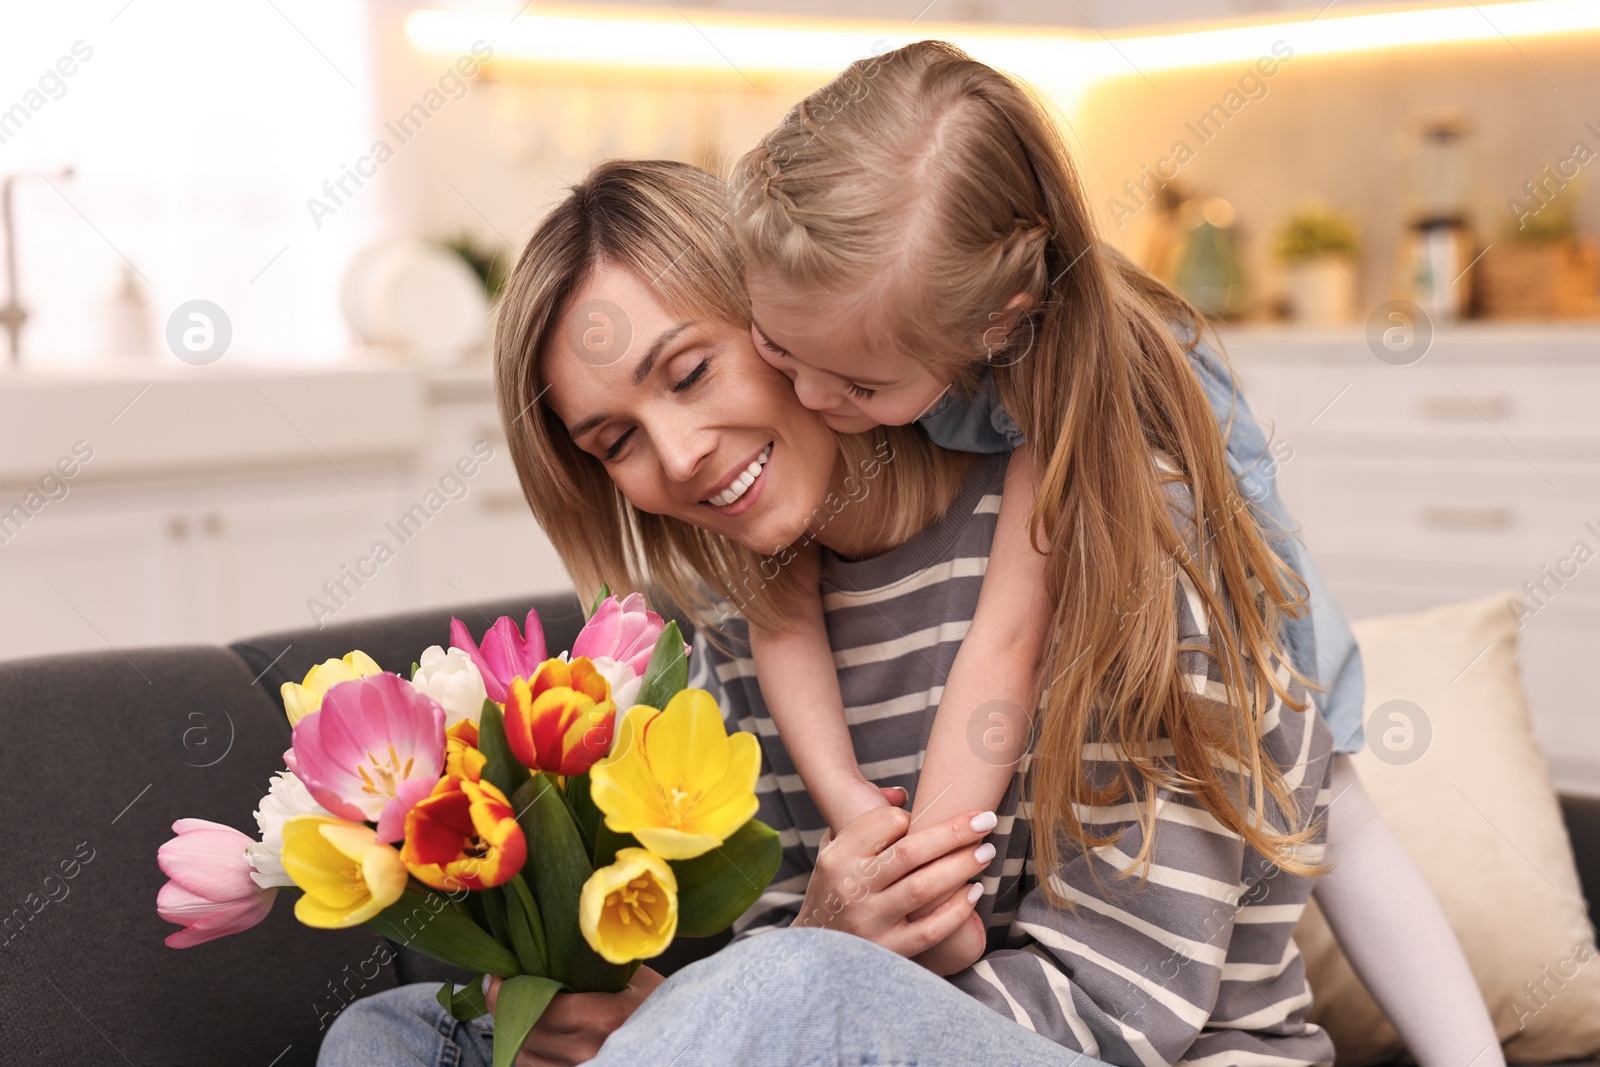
985,716
1397,939
801,688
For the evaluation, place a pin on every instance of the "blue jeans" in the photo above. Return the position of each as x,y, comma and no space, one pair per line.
789,997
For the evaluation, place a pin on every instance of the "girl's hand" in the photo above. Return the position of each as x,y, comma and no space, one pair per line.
575,1025
958,951
877,872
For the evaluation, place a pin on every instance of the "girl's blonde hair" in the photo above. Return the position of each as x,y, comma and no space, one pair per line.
926,190
664,222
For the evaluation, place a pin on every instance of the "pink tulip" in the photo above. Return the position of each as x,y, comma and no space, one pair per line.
505,654
211,893
625,631
374,749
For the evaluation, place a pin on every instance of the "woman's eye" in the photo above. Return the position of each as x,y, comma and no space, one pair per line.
860,392
693,376
616,446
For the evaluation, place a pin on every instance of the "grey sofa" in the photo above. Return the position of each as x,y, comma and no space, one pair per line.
102,751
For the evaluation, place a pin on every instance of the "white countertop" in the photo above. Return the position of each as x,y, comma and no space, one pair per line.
166,416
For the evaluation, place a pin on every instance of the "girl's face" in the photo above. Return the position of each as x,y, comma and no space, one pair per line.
835,371
687,419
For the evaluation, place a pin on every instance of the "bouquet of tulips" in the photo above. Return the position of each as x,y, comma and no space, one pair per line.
550,820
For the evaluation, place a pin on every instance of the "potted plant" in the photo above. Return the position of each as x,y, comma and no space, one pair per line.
1318,249
1542,269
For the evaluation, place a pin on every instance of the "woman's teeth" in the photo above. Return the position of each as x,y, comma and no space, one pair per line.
746,479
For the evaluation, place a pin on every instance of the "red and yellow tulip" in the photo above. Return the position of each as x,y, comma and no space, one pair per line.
561,719
464,833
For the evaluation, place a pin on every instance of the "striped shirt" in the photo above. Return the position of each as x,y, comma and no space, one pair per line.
1196,967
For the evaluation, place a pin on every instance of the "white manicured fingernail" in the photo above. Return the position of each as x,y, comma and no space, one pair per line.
984,821
983,853
974,892
485,985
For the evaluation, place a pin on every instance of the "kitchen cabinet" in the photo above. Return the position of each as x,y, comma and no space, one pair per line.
487,542
197,562
217,507
1471,472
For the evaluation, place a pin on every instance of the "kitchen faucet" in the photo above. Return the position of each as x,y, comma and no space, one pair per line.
12,315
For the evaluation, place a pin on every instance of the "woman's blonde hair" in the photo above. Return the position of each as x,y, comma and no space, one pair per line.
664,221
929,189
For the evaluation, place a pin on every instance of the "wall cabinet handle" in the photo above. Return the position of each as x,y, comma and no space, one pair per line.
1465,407
499,500
1479,519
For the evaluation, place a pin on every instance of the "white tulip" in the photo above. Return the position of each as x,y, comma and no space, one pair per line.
625,684
286,798
453,680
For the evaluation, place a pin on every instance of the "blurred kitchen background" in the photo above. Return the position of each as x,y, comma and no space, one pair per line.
251,248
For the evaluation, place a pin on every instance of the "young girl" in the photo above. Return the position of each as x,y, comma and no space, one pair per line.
918,249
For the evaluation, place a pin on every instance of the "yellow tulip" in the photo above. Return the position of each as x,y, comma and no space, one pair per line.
676,781
462,758
629,910
302,698
348,877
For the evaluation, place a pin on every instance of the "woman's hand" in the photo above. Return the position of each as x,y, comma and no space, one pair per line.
575,1025
875,874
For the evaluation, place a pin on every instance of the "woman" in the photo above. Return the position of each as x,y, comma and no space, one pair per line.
621,444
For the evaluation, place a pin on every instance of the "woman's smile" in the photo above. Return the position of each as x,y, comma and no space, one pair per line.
739,491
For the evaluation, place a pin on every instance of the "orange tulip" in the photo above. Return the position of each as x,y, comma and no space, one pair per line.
464,833
561,719
461,756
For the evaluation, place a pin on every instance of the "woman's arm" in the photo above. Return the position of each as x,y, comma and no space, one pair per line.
801,688
985,717
1396,937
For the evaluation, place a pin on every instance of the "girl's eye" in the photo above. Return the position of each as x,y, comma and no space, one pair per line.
770,347
693,376
860,392
616,447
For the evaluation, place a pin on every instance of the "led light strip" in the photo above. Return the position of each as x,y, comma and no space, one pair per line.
748,45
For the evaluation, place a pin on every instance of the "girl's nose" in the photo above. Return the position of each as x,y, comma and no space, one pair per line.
813,391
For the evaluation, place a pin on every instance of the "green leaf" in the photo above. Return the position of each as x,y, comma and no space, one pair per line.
607,843
517,1008
466,1003
605,591
431,924
718,886
558,866
584,813
415,667
668,672
500,767
493,906
527,928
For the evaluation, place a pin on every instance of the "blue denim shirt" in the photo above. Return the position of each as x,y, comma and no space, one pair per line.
1320,642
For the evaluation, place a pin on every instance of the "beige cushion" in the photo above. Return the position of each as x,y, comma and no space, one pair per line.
1477,811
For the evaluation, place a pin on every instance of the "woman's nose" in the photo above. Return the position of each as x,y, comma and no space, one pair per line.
683,449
